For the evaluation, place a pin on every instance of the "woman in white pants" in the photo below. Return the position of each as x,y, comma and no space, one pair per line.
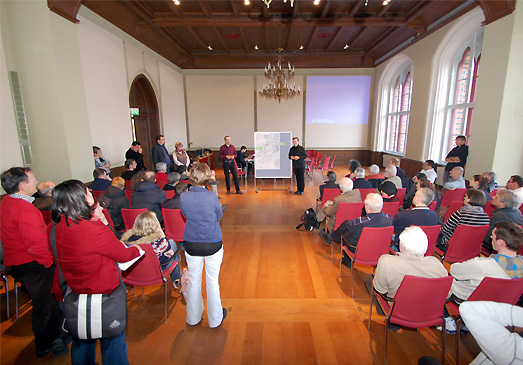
203,244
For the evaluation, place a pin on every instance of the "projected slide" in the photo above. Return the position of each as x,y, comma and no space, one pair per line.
338,99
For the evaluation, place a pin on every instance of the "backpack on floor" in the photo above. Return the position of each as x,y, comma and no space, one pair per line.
310,222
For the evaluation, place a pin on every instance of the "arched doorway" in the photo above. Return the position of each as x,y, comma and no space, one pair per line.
146,125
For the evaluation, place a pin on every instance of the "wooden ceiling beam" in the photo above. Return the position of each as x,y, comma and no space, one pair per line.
359,35
67,9
295,9
197,37
417,9
245,43
334,37
205,8
236,9
222,39
325,9
311,38
267,40
289,39
384,9
355,8
173,22
383,37
175,8
495,10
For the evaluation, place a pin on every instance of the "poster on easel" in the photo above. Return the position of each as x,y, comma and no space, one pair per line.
272,155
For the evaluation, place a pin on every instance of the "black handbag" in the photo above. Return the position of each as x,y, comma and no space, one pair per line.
92,316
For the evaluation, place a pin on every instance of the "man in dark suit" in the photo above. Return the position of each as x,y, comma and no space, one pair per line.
160,153
135,153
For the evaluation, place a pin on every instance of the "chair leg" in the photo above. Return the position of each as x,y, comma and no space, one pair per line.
458,323
6,284
386,339
164,301
370,312
352,274
444,344
16,299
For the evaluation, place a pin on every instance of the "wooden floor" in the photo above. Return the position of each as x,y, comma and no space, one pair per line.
286,303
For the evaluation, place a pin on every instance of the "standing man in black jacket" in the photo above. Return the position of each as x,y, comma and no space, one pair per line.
135,153
160,153
298,155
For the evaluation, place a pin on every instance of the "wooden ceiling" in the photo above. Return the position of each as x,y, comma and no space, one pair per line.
312,36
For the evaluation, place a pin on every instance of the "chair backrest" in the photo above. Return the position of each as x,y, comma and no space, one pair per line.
312,164
108,217
316,154
310,154
329,194
169,194
96,194
174,222
433,205
326,163
454,206
373,243
47,216
401,195
391,208
161,183
465,243
489,209
332,162
432,233
419,302
129,216
239,172
450,196
347,211
498,290
129,195
365,192
127,184
146,271
186,181
493,192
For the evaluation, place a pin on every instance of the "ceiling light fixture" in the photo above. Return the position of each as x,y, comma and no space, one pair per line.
301,47
256,47
176,2
316,2
386,2
209,48
247,2
279,79
346,46
268,2
366,2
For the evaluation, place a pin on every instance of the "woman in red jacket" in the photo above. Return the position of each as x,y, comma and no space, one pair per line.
87,251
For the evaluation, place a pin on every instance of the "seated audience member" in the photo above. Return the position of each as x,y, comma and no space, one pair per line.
100,161
480,183
114,199
241,159
429,169
491,180
360,182
101,180
45,191
505,201
136,179
135,153
180,158
471,214
353,165
456,157
149,195
172,180
390,174
351,229
409,195
420,215
147,230
515,183
392,269
329,184
131,169
174,202
388,191
399,171
161,175
348,195
507,239
490,323
456,179
375,177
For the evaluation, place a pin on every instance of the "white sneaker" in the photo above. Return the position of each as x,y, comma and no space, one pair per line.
450,326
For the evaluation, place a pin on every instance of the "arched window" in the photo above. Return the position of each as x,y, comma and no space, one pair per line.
395,87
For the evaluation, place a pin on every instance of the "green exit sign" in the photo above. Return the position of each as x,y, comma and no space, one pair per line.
135,111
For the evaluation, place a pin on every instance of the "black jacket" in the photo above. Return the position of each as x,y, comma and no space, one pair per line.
149,195
114,199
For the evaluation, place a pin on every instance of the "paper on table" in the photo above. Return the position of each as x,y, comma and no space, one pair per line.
125,265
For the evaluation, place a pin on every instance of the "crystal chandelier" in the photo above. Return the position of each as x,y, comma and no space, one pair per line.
279,78
268,2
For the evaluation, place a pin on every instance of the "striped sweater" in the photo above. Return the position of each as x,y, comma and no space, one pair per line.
469,215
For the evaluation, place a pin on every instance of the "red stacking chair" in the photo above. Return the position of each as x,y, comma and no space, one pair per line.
433,205
490,289
365,192
454,206
464,244
401,195
161,183
325,166
450,196
127,184
346,211
373,243
129,195
432,233
169,194
239,171
129,216
391,208
493,192
174,222
108,217
418,303
96,194
47,216
328,194
310,168
310,154
331,165
147,271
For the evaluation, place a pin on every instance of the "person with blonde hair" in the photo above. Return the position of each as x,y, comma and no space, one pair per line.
114,200
147,229
203,245
180,158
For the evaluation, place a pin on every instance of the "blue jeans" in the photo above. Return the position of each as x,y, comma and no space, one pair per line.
114,351
176,272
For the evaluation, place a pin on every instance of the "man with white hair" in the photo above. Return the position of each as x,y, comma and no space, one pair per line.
45,191
375,177
360,182
348,195
351,229
392,269
420,215
390,173
505,201
457,181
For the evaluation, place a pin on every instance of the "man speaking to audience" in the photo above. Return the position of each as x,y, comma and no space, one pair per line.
228,155
298,155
